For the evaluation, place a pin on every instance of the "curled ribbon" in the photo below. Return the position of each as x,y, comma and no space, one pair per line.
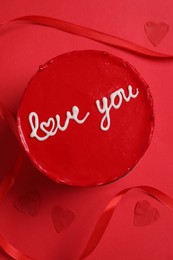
5,114
8,182
108,212
104,219
101,37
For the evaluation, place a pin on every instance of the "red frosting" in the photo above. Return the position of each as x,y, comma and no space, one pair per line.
84,154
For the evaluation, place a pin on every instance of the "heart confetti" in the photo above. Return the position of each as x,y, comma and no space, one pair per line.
155,32
62,218
29,203
144,214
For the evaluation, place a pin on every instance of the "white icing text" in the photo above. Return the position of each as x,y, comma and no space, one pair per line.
51,127
105,108
53,124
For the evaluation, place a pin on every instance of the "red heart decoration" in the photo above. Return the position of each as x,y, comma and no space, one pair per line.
62,218
144,214
155,32
28,203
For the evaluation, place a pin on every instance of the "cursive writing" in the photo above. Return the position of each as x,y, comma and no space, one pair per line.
51,127
105,108
53,124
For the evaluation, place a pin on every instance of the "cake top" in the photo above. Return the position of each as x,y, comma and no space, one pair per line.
86,118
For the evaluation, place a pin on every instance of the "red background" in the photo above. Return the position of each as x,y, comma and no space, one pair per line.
22,49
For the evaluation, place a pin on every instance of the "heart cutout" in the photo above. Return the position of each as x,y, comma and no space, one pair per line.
62,218
144,214
28,203
155,32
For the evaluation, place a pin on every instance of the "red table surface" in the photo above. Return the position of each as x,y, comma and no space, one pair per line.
22,49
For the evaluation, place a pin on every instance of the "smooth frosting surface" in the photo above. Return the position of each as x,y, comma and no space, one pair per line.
86,118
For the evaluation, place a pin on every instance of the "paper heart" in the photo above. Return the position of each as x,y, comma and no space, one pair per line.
28,203
62,218
46,126
155,32
144,214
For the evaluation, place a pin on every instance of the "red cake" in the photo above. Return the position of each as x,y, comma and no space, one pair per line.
86,118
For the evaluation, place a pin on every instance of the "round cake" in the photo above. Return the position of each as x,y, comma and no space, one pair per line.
86,118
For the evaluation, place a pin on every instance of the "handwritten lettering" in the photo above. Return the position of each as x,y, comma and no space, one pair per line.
105,109
51,127
53,123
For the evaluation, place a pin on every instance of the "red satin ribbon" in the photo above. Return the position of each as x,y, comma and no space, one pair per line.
104,219
5,186
6,115
108,212
11,251
8,182
93,35
106,216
